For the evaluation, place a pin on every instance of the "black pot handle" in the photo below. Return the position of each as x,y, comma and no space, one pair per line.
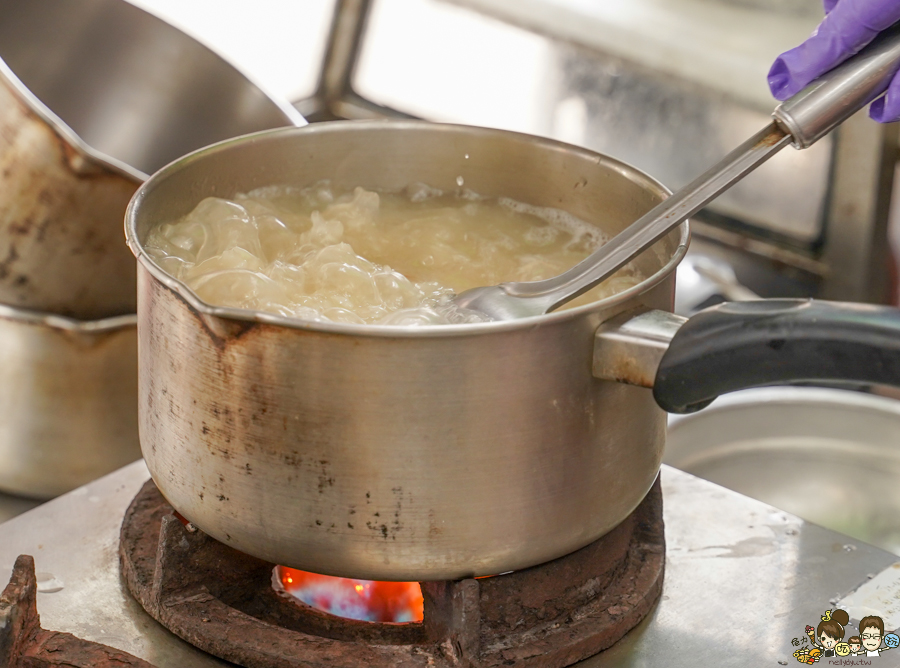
737,345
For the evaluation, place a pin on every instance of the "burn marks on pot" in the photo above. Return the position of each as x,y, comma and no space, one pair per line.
231,432
382,528
61,210
325,479
433,529
6,263
258,417
292,459
173,408
219,430
225,453
380,524
225,334
389,525
23,228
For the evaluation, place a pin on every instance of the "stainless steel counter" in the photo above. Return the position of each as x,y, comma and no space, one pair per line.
742,578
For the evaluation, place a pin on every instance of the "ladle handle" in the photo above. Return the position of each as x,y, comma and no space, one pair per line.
655,224
836,95
738,345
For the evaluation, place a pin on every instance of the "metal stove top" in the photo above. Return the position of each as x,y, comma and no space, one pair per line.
742,578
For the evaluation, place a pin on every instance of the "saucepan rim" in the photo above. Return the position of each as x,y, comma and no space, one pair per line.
64,131
94,156
391,331
27,316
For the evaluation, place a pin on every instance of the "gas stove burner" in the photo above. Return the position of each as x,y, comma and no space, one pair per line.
552,615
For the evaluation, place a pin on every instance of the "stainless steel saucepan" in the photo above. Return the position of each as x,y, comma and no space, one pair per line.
67,400
94,94
448,451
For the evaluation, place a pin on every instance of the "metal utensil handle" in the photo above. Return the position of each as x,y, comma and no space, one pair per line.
655,224
836,95
803,119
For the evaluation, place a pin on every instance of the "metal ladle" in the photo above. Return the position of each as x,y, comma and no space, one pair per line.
802,120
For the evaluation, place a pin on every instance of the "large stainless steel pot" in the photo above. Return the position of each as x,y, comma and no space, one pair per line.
443,452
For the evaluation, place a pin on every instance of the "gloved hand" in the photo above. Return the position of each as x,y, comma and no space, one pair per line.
849,25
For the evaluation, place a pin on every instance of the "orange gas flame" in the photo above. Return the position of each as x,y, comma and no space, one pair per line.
365,600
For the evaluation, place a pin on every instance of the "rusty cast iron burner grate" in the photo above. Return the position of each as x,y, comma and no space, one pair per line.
551,616
24,644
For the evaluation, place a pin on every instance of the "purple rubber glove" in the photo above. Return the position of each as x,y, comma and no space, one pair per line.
849,25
